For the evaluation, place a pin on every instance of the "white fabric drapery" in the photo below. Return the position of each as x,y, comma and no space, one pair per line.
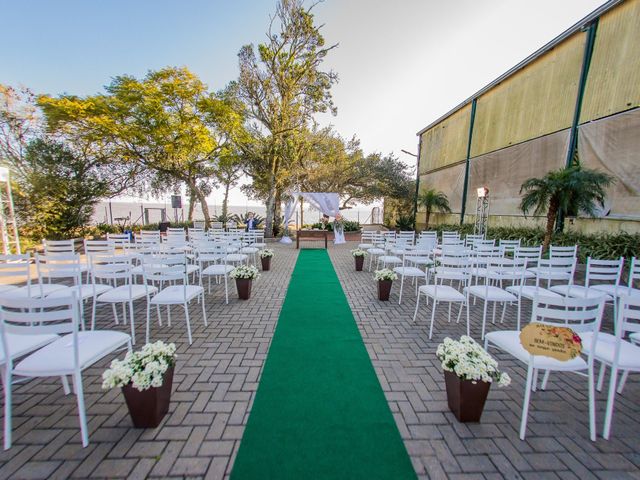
289,208
328,203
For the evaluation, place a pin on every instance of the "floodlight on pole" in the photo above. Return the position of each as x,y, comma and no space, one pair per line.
482,211
409,153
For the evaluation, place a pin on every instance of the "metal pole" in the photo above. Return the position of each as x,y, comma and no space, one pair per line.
466,168
415,198
110,213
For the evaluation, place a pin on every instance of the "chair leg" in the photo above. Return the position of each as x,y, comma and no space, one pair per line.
415,313
133,327
7,407
204,311
592,402
115,313
466,304
603,367
545,379
77,386
159,314
504,309
484,318
93,315
525,403
433,316
169,315
65,384
518,317
611,398
186,314
148,321
623,380
401,287
226,291
534,386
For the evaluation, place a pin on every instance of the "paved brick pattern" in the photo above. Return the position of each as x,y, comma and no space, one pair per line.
217,376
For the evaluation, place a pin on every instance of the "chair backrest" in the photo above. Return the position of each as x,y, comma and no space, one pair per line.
450,234
16,268
197,235
426,244
501,268
119,239
211,251
579,314
605,271
59,266
148,236
408,234
455,265
532,254
165,268
510,246
59,247
112,268
107,247
482,243
366,236
452,240
559,252
231,224
217,225
38,316
628,315
174,230
429,234
199,224
556,268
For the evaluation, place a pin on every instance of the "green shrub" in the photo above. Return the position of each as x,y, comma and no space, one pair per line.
404,222
350,226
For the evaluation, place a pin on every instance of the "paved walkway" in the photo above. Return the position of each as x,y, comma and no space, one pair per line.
217,376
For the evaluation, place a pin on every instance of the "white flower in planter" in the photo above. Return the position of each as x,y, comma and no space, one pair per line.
143,369
265,253
469,361
358,252
245,271
384,274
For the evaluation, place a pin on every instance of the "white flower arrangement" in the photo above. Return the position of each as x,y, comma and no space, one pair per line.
469,361
384,274
265,253
358,252
245,271
143,369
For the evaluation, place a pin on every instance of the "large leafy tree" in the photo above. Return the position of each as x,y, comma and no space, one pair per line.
573,189
283,87
57,190
433,200
166,123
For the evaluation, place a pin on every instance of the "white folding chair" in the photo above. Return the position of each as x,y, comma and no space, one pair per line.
377,250
509,246
120,240
556,251
67,355
408,269
213,263
582,315
366,239
15,269
555,269
159,270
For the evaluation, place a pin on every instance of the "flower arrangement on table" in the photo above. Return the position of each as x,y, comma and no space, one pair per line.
384,275
248,272
358,252
265,253
143,369
469,361
338,222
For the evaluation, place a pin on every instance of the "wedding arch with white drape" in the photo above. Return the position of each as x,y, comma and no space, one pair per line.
328,203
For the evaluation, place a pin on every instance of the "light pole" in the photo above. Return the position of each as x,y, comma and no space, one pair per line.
415,198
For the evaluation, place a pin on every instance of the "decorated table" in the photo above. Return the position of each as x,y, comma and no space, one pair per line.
307,233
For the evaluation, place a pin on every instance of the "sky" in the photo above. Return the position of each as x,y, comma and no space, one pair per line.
401,64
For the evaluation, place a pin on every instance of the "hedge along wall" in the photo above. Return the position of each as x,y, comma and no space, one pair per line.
521,128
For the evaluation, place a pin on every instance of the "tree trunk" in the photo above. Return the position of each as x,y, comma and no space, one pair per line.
268,220
225,201
277,212
427,215
551,220
203,204
192,204
301,212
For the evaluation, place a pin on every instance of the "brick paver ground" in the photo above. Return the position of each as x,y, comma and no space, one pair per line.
217,376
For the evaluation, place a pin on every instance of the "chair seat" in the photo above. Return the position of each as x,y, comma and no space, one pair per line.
191,268
420,260
531,291
6,288
20,345
399,251
236,257
217,269
445,293
210,257
249,250
389,259
177,294
124,293
543,273
86,291
509,341
376,251
635,337
491,293
606,348
579,291
259,244
616,290
409,271
450,273
365,246
56,358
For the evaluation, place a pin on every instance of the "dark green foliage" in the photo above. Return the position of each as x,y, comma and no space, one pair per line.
348,226
601,245
404,222
244,218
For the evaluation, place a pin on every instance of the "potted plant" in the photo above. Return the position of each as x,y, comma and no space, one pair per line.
359,255
385,278
265,257
146,377
244,275
469,371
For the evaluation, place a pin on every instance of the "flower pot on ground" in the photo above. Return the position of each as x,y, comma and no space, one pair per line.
358,255
265,258
146,379
385,278
469,372
244,276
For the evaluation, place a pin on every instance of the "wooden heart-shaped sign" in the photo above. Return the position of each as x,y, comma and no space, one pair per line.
560,343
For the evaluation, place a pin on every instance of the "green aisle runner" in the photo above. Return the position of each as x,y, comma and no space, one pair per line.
319,412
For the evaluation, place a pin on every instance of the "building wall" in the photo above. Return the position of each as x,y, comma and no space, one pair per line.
522,128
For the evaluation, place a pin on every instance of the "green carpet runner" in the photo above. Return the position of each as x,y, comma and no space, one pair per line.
319,412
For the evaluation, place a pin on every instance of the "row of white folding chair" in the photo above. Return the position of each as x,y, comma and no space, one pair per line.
38,323
366,239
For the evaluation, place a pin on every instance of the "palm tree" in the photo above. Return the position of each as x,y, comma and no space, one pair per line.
433,200
572,189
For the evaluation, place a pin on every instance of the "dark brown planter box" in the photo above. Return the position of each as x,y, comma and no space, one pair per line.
243,285
384,289
148,407
359,263
466,398
266,263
